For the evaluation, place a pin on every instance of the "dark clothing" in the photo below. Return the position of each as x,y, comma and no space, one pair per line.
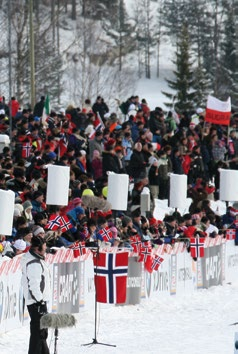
37,344
110,163
156,124
100,108
137,165
153,176
38,109
177,165
15,185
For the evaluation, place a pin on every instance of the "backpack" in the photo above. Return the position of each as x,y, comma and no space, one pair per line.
124,107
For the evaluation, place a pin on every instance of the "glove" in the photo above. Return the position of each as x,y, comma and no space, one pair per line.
41,307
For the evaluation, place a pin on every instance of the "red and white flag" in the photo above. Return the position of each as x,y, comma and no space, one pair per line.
106,234
65,223
54,222
26,150
136,243
154,263
197,247
218,112
230,234
110,276
78,248
145,252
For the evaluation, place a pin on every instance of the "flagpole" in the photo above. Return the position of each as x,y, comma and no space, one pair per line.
94,340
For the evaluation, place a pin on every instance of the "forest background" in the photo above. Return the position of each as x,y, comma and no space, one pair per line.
187,49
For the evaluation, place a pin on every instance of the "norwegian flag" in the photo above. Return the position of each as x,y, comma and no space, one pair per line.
98,125
136,243
65,223
26,150
78,248
106,234
197,247
230,234
156,262
110,277
54,222
145,252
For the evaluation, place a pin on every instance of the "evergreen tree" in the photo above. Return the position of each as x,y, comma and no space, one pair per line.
183,85
120,30
229,58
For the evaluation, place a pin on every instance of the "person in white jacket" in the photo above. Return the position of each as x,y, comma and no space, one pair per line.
36,288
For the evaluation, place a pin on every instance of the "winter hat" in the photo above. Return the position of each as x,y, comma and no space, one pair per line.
19,207
37,194
20,245
87,191
126,220
52,155
114,231
79,211
26,205
62,111
199,110
98,133
109,143
37,241
17,212
77,201
38,230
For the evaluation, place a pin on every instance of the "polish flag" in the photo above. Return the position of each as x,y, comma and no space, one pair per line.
218,112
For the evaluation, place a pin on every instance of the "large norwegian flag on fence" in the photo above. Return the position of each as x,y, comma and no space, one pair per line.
218,112
197,247
230,234
110,276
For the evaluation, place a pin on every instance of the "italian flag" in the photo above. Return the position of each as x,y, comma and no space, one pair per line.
46,110
218,112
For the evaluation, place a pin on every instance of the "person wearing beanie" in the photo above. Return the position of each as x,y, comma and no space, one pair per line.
38,231
19,246
36,289
37,202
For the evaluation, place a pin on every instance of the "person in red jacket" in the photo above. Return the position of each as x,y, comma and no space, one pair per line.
13,106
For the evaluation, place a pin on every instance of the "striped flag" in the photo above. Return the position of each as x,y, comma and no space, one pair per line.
46,110
218,112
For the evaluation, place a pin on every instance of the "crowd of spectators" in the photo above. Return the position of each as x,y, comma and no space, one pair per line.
146,144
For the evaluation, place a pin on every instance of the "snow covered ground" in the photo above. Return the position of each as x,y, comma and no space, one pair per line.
197,324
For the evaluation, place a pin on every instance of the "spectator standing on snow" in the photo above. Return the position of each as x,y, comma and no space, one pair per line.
36,288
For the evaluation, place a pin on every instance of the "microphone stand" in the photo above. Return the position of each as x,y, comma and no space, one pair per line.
95,341
56,339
